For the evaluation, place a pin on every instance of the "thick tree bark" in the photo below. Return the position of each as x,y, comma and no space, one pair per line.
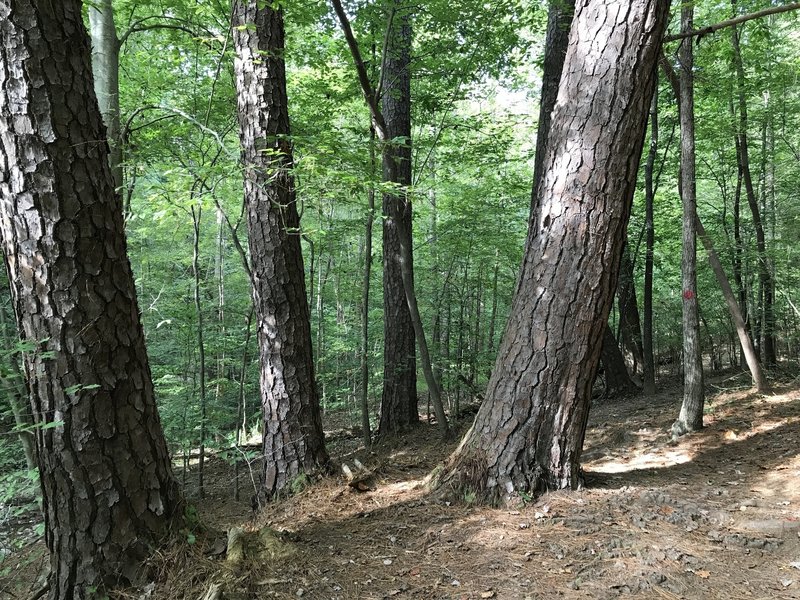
107,485
399,408
293,438
105,67
528,434
690,417
618,381
748,351
764,275
559,19
648,359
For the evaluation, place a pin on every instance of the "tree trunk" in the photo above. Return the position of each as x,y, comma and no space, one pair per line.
528,433
648,360
559,19
749,352
107,485
201,349
293,437
630,327
399,407
12,382
764,275
618,381
365,422
105,68
690,417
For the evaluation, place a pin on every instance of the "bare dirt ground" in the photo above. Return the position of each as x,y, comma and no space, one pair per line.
713,515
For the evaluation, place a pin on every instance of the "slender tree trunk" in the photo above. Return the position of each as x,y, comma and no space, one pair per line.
107,485
241,410
201,349
630,326
690,417
365,424
493,316
528,433
293,437
105,68
738,254
749,352
648,360
764,275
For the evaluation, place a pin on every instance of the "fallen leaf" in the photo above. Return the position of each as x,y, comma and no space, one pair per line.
489,594
702,574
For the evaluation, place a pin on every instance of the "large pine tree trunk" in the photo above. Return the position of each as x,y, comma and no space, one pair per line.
399,408
108,490
293,438
528,434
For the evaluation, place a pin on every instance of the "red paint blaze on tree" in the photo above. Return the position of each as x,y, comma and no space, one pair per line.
529,431
688,295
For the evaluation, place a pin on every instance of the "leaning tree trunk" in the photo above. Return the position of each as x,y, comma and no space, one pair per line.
748,351
399,408
107,485
528,433
690,417
293,438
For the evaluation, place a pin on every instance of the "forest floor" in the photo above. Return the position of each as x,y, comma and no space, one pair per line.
715,514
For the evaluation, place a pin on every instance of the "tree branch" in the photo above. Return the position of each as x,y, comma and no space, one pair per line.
138,26
731,22
363,78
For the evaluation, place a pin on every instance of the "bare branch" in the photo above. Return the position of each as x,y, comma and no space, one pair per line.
139,25
731,22
363,78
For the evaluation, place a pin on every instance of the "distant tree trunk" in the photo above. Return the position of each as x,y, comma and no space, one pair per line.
293,437
648,360
105,68
106,476
396,152
399,408
738,256
618,381
749,352
13,384
365,413
528,434
493,316
201,349
690,417
764,275
630,326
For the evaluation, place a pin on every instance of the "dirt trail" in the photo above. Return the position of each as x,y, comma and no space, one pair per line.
713,515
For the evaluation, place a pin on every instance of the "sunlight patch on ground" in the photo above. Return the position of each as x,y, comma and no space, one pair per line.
644,460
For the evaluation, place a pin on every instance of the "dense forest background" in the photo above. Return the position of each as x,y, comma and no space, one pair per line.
475,77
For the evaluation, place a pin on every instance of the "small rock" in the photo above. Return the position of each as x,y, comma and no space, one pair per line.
300,592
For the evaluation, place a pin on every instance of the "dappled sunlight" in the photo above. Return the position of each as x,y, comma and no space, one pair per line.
647,459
